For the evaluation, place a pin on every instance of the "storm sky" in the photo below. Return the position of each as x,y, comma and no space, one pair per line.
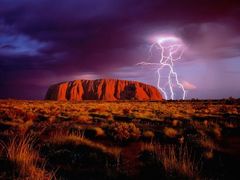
49,41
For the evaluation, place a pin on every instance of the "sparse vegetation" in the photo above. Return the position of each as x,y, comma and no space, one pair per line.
117,140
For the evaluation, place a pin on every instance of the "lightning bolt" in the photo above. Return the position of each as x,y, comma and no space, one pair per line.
167,61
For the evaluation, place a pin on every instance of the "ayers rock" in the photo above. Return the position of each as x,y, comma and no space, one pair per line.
102,89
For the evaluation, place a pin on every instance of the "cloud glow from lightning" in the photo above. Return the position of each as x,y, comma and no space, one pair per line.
169,47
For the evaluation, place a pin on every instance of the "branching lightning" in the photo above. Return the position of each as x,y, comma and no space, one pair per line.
167,61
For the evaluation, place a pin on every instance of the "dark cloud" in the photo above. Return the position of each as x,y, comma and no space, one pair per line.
67,38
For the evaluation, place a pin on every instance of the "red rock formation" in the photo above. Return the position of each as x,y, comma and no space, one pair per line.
102,89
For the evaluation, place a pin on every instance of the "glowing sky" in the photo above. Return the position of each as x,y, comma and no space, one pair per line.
49,41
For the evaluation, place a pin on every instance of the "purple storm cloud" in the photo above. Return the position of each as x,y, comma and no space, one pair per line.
45,42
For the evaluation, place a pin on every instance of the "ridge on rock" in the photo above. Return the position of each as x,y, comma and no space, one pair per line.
102,89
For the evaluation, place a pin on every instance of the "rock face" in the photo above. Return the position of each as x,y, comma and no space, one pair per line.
102,89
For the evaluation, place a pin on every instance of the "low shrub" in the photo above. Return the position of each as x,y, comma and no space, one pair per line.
148,135
175,122
170,132
122,131
208,154
95,132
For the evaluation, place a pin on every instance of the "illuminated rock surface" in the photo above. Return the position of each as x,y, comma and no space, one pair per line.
102,89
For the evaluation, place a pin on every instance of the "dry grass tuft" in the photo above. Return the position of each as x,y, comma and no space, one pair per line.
217,131
148,147
229,125
205,123
2,148
207,143
176,161
179,161
79,139
29,165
